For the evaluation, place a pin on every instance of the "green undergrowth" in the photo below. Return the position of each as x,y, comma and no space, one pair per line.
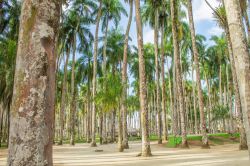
215,139
3,146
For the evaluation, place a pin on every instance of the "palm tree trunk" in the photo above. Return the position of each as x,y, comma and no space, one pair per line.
72,104
124,80
243,141
174,127
220,86
93,143
34,86
157,75
63,99
209,103
242,61
120,135
164,111
104,137
194,102
174,16
198,79
1,123
146,150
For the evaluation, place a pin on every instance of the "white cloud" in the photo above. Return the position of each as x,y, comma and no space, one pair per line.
149,36
202,11
215,31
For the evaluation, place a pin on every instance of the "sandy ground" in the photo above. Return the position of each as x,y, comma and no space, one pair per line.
83,155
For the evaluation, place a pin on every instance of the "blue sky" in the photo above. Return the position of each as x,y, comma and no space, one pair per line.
203,17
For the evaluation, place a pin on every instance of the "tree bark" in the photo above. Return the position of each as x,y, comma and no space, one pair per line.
241,56
73,98
243,141
31,127
163,102
146,150
63,99
174,16
93,143
194,102
124,80
157,76
198,77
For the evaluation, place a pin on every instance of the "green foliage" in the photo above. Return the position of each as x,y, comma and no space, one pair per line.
108,99
220,112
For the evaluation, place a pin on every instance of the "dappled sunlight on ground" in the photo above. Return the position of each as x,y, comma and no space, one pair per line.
83,155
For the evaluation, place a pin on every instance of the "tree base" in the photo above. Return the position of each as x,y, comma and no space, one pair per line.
72,142
205,146
160,141
60,142
243,147
93,144
120,149
125,145
185,145
165,139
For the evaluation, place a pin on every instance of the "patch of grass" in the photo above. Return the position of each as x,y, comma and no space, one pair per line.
218,138
3,146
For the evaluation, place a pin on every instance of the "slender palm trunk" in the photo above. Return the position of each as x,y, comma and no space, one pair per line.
124,80
242,61
174,16
34,86
163,102
157,76
198,79
209,103
63,99
146,150
194,102
93,143
120,133
220,86
72,104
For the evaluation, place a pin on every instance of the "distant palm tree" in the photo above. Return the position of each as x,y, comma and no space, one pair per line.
198,77
150,13
98,17
146,150
174,15
124,78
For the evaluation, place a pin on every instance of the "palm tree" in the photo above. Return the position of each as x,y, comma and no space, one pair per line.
242,61
163,15
198,77
150,14
124,79
34,86
146,151
174,16
98,17
220,15
63,95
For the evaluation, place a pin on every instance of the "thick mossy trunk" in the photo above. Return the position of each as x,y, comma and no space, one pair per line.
32,110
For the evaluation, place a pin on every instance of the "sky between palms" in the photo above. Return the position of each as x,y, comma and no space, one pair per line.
203,18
